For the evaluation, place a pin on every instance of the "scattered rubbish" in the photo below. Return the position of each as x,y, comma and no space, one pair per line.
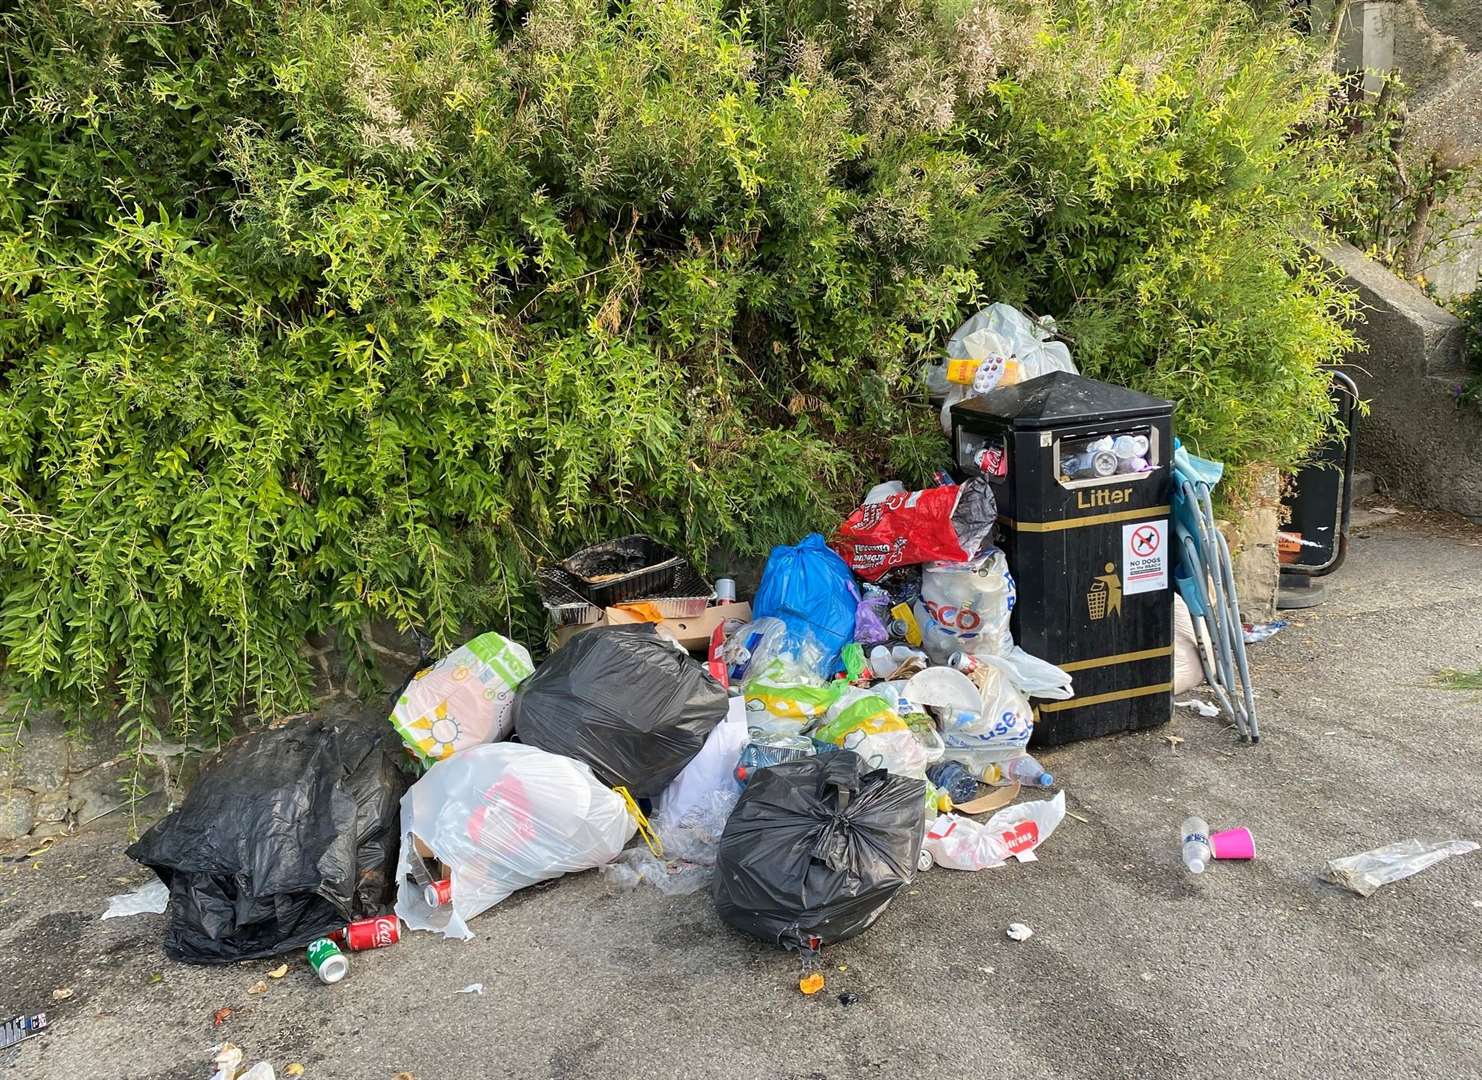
62,993
1175,741
1019,932
226,1059
1365,873
811,984
960,843
846,999
1195,841
377,932
20,1028
261,1071
278,972
462,700
259,987
625,701
1257,632
939,524
816,849
294,1069
328,962
965,606
1203,708
221,1016
1235,843
289,834
499,817
147,899
810,589
472,988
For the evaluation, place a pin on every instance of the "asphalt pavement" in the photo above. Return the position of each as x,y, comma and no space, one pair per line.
1136,968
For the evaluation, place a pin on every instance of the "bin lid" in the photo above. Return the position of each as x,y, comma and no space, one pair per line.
1060,399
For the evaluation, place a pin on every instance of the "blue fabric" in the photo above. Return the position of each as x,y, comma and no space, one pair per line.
813,592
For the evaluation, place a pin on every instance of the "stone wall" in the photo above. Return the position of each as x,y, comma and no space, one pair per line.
1420,446
50,783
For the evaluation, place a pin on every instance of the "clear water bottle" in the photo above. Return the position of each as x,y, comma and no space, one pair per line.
1197,851
1024,770
770,750
956,779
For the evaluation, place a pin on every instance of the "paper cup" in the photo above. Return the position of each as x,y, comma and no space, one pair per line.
1233,844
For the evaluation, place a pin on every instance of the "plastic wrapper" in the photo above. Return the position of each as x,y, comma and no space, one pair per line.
872,617
788,697
290,833
462,700
499,817
1031,676
817,849
624,700
752,646
960,843
810,589
949,523
966,606
1010,346
690,844
712,770
1364,873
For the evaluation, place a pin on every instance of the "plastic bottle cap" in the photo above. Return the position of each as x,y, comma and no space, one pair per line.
1196,866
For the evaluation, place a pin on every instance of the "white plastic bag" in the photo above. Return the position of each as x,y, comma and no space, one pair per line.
1014,348
1031,676
1188,672
1365,873
965,607
712,770
462,700
502,816
960,843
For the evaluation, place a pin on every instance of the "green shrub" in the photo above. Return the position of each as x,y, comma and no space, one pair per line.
325,312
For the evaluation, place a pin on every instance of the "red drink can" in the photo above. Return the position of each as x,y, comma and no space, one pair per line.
375,933
438,893
964,662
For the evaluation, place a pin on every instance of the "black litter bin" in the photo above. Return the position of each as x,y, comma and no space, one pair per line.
1081,470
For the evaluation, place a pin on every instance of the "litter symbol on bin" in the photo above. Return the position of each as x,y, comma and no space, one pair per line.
1105,595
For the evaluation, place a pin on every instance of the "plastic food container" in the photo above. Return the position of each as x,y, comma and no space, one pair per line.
623,570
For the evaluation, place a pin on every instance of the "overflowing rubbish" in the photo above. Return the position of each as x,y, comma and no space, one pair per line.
377,932
328,962
289,834
998,346
960,843
462,700
1194,834
148,899
1235,843
1365,873
633,706
1203,708
946,523
816,849
965,607
496,818
810,589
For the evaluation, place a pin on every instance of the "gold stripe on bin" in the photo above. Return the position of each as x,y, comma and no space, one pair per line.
1101,699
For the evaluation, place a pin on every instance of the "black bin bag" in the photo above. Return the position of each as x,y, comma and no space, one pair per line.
287,835
817,848
631,704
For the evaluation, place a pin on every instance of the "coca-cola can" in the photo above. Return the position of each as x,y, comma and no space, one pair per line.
963,662
374,933
438,893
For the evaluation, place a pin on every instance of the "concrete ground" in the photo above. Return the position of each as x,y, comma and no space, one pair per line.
1136,968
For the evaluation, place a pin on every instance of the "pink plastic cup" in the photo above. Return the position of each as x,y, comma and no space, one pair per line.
1233,844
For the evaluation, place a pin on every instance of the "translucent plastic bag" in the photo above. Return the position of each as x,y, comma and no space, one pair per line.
502,816
966,606
960,843
788,696
462,700
1010,346
1364,873
1031,676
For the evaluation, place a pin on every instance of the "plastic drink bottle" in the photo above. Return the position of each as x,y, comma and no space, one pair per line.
955,778
1197,851
1023,769
758,754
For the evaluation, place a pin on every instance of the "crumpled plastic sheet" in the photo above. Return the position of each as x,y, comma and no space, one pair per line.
1364,873
149,899
689,846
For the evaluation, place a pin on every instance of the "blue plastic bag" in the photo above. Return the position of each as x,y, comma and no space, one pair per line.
813,592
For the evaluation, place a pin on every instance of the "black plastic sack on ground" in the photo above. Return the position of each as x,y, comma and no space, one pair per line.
629,703
288,834
818,848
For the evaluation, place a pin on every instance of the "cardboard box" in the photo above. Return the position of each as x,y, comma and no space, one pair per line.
693,633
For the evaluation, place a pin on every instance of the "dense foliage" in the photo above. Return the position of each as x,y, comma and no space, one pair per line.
318,312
